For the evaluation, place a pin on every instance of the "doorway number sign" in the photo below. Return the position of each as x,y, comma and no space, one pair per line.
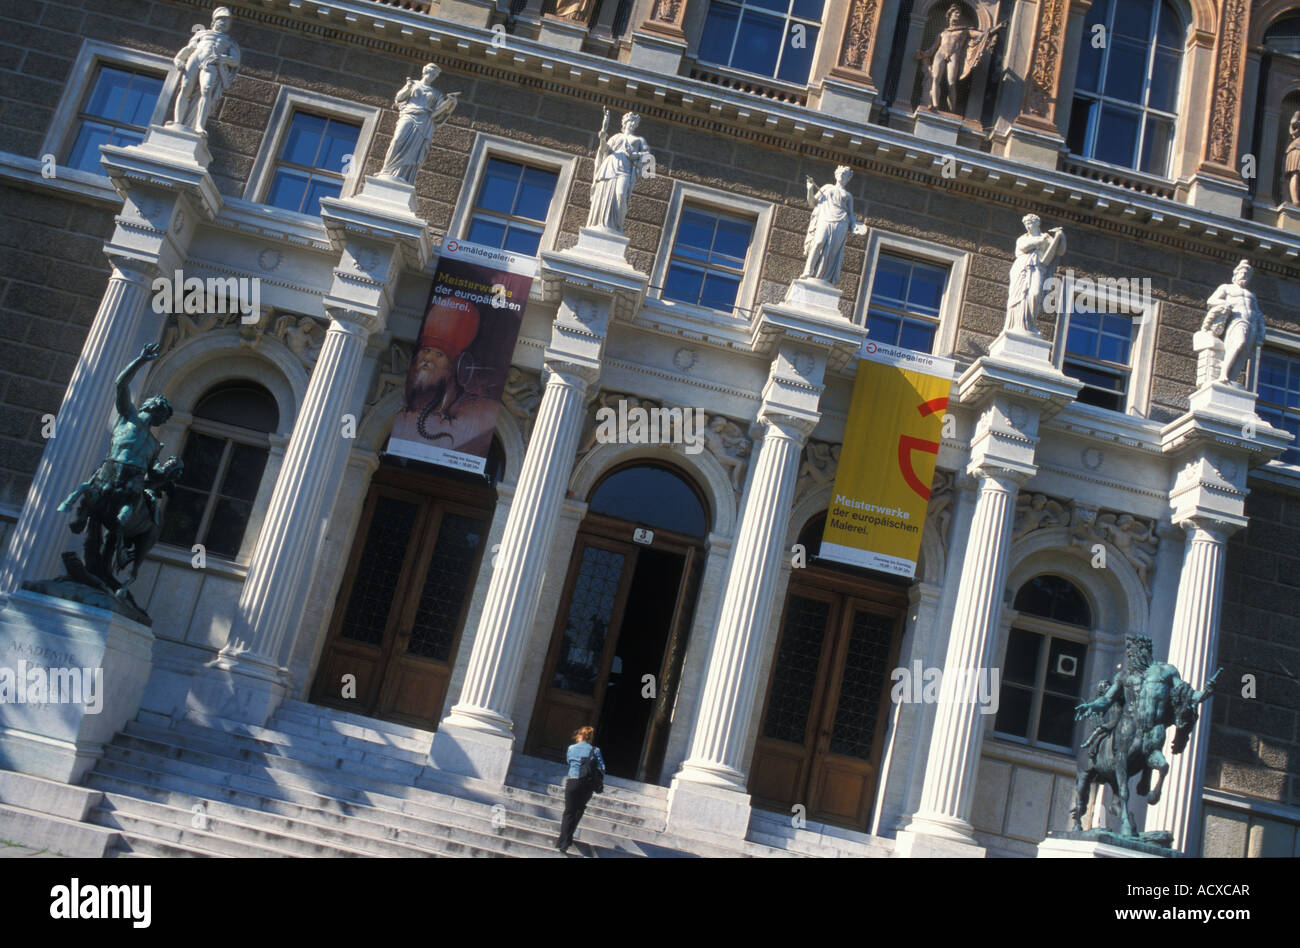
642,536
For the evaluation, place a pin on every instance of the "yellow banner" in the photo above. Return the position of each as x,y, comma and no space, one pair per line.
891,444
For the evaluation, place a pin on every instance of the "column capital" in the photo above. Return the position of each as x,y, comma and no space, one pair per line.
353,322
785,424
560,370
992,475
1201,527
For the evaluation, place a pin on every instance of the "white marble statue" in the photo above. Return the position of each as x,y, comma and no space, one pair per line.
207,65
1037,254
1234,314
620,160
828,231
956,53
420,110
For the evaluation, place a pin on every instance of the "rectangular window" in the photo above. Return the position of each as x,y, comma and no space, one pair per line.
213,501
512,205
1279,396
1098,352
707,264
1041,685
313,162
775,38
116,112
905,302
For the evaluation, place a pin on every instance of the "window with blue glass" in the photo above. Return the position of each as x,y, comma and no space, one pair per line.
774,38
313,162
117,112
1098,352
906,296
511,207
1279,396
1126,87
707,263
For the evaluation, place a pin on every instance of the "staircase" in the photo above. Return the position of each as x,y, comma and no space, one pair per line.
319,782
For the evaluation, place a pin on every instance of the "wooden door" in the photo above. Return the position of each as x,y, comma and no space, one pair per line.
824,720
403,600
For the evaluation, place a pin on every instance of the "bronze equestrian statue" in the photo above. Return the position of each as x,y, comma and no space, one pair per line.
1137,707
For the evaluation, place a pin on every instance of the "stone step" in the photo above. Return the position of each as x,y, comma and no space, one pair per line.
324,717
815,839
550,771
329,731
329,744
58,834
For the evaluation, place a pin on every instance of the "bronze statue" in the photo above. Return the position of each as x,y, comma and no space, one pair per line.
120,506
1134,712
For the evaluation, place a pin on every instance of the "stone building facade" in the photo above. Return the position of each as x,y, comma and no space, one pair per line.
772,699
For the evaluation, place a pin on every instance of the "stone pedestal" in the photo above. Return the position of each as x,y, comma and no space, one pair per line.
181,141
466,12
656,52
816,297
1032,146
851,101
1209,357
389,193
940,127
1288,218
561,33
1217,195
601,244
1099,844
97,661
912,844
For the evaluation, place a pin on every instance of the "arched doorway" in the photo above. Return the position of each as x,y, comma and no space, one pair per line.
401,607
616,652
823,724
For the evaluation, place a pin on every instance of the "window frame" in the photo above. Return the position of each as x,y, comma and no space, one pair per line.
722,202
957,263
1286,344
823,27
288,102
1014,620
487,147
1070,94
65,124
1137,396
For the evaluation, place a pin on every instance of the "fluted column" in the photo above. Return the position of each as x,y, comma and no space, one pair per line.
492,676
955,741
1193,650
722,719
81,427
271,598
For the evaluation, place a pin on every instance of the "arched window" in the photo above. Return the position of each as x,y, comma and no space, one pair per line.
1126,86
225,454
1042,671
652,495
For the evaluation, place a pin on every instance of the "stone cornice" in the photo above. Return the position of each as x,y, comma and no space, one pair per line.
684,101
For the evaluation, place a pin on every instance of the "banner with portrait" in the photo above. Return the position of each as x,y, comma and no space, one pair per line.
886,466
462,355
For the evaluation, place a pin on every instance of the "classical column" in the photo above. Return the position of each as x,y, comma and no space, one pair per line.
1193,650
1216,184
958,732
81,426
275,587
717,750
492,676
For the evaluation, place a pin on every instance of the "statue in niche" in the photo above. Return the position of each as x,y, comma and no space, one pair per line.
120,506
207,65
420,110
1037,254
1234,315
828,231
577,10
956,53
1133,713
620,160
1292,171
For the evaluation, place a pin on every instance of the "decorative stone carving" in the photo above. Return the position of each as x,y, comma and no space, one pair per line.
727,442
1045,66
1037,255
956,53
391,375
1291,172
828,230
820,461
1037,511
620,160
521,397
857,35
1227,82
939,513
1136,538
182,327
1234,316
577,10
303,337
666,11
420,110
207,65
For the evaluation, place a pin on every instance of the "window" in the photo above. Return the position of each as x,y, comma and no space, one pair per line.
511,207
117,111
1126,89
905,302
1279,396
774,38
1043,669
225,453
707,264
313,162
1098,352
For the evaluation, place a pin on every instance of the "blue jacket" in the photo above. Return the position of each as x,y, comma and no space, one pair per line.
577,752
